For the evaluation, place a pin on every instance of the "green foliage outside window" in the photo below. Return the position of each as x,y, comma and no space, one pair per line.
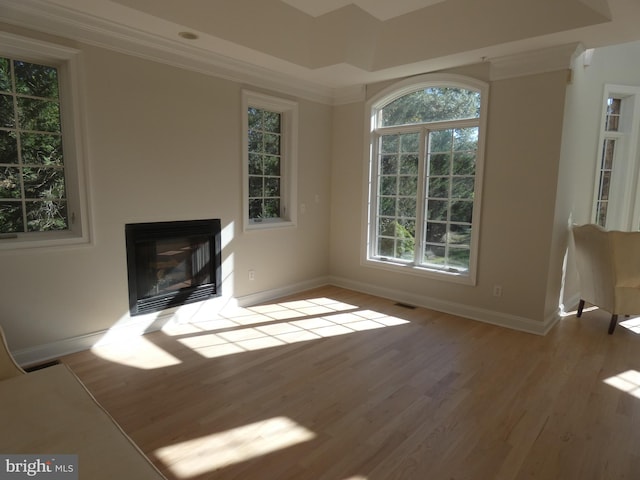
264,137
32,177
448,166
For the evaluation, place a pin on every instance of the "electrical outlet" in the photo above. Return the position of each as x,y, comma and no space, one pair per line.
497,290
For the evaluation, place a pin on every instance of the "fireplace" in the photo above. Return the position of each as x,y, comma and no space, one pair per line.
172,263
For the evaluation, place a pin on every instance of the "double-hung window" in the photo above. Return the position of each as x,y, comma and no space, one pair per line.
425,173
269,152
616,203
41,192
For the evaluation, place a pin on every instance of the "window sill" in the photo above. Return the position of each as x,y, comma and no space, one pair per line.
269,224
42,240
464,278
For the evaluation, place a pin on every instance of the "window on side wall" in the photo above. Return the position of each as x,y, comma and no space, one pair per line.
270,161
42,200
616,203
425,177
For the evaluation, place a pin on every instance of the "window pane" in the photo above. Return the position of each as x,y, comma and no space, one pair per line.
605,182
386,247
255,164
264,163
272,208
256,142
46,216
389,144
439,164
271,122
36,80
255,187
408,186
459,235
387,227
272,144
40,115
438,187
43,183
437,210
7,112
445,187
11,217
41,149
441,141
388,206
34,145
255,208
465,139
389,165
409,165
608,150
5,75
464,163
436,232
10,182
407,207
272,187
612,119
388,185
462,187
8,147
461,211
459,257
434,254
271,165
432,104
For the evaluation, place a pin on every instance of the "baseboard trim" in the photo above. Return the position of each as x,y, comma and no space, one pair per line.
268,295
500,319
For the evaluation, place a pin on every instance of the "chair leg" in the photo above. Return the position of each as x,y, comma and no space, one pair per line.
612,324
580,307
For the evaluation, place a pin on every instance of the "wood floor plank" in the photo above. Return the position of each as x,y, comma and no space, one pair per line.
333,384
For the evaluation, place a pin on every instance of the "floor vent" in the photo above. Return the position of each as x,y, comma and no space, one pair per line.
40,366
405,305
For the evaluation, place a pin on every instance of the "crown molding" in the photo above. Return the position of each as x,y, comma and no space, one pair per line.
56,20
533,62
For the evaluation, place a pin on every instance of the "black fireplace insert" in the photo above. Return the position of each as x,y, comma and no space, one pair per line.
172,263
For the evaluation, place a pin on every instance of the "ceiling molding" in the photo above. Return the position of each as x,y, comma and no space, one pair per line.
52,19
534,62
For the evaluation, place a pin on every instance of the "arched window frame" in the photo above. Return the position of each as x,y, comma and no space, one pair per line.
373,109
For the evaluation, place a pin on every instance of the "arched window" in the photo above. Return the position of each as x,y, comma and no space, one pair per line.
425,176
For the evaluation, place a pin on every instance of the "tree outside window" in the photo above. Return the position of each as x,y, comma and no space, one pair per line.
425,167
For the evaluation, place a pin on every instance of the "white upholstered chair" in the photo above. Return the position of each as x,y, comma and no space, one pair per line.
608,265
8,366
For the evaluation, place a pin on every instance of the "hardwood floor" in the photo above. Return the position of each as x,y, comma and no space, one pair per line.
338,385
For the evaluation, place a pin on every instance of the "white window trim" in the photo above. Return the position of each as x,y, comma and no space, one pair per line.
624,196
384,97
289,167
67,60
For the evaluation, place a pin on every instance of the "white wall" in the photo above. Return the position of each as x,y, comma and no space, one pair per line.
609,65
163,144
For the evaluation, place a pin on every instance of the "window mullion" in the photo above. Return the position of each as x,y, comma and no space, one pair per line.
422,207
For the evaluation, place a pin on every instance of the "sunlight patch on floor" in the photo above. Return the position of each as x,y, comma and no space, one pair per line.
198,456
136,352
308,320
632,324
628,382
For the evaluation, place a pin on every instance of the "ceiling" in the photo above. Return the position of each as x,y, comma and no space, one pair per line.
328,48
